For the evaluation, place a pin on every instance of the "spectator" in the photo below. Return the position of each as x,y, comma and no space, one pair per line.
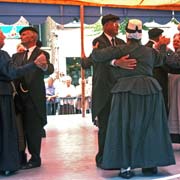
79,97
51,104
67,96
20,48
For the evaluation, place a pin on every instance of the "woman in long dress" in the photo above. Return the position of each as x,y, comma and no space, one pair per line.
9,150
137,134
174,98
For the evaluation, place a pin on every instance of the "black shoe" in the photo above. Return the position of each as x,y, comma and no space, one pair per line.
126,174
150,171
7,173
31,165
43,133
98,165
23,158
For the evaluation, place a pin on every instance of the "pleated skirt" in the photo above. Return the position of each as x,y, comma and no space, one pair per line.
137,134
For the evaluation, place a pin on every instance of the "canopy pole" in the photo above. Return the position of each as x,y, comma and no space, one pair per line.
82,56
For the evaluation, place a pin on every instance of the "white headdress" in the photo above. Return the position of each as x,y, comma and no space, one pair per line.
134,29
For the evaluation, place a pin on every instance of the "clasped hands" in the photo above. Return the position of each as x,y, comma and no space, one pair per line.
41,61
162,41
125,62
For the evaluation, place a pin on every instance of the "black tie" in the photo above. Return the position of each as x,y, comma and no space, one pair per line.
25,58
113,42
23,86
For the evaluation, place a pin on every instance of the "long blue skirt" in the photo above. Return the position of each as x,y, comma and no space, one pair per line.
137,134
9,153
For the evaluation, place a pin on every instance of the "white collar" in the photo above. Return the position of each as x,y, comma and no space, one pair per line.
109,37
31,49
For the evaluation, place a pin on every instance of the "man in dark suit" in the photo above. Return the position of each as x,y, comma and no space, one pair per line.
40,44
161,73
32,97
103,79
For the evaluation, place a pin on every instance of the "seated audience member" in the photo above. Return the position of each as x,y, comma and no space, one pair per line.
51,104
58,79
67,95
20,48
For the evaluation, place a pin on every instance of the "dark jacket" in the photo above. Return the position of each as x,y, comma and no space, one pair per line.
8,72
161,74
103,79
35,83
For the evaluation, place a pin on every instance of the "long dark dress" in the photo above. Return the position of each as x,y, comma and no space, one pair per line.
9,153
174,108
137,134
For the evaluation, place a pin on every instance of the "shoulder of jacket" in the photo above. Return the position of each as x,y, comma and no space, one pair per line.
120,40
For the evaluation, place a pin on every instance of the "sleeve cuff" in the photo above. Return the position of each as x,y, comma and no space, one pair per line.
113,62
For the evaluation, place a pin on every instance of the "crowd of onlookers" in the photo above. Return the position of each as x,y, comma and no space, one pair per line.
62,97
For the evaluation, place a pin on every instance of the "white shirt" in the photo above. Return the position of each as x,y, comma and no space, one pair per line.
31,49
